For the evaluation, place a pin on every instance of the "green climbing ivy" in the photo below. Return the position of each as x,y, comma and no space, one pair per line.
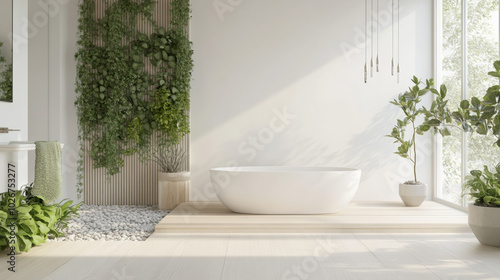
120,102
6,79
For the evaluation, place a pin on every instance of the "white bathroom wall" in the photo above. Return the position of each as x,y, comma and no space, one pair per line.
253,61
52,81
15,114
281,83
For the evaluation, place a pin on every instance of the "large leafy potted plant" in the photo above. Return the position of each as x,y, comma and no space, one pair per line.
413,192
483,118
173,179
484,213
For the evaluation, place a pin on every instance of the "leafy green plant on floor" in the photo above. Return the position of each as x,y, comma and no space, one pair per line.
483,117
130,84
31,220
410,103
6,79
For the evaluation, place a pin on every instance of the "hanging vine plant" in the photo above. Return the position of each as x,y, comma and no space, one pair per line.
120,100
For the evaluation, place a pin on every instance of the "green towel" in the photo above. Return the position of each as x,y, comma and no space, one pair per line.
48,171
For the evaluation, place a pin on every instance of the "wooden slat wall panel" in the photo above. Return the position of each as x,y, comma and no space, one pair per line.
137,183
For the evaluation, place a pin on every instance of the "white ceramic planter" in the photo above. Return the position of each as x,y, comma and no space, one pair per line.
485,224
413,195
173,189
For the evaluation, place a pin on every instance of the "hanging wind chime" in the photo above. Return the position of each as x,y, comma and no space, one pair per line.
373,8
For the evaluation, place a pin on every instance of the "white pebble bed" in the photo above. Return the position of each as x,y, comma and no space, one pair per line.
113,223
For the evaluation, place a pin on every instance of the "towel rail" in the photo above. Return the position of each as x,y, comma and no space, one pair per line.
7,130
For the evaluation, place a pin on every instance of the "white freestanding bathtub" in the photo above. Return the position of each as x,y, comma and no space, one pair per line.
285,190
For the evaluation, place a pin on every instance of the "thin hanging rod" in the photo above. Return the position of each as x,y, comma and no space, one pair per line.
377,37
366,43
398,41
371,38
392,24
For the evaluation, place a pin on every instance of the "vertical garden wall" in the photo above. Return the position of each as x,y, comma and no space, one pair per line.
133,82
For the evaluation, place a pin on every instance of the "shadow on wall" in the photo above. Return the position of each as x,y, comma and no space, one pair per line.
370,150
366,151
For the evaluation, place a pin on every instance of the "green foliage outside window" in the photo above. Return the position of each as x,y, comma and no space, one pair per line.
482,49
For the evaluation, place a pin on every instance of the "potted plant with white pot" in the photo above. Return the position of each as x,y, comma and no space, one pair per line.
173,179
484,213
483,118
413,192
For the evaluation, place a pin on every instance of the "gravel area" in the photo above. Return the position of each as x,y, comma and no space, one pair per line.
113,223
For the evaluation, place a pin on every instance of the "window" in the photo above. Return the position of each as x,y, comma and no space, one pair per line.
467,44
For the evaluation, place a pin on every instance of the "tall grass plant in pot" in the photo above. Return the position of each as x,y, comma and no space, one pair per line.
173,179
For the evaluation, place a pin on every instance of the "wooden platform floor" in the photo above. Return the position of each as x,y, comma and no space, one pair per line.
264,256
382,217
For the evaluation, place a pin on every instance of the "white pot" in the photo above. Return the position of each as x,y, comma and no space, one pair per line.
413,195
485,224
173,189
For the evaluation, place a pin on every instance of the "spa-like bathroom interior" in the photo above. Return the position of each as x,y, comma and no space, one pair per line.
249,139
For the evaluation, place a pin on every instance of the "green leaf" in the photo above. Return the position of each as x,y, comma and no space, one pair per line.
496,64
443,91
42,218
457,116
464,104
36,208
164,55
157,56
23,216
476,173
24,243
37,239
424,127
481,129
445,132
66,205
475,102
487,115
44,229
3,215
24,209
434,122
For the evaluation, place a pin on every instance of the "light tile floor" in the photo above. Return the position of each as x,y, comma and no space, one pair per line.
227,253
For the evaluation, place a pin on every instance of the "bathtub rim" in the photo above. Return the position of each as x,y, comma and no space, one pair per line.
284,169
